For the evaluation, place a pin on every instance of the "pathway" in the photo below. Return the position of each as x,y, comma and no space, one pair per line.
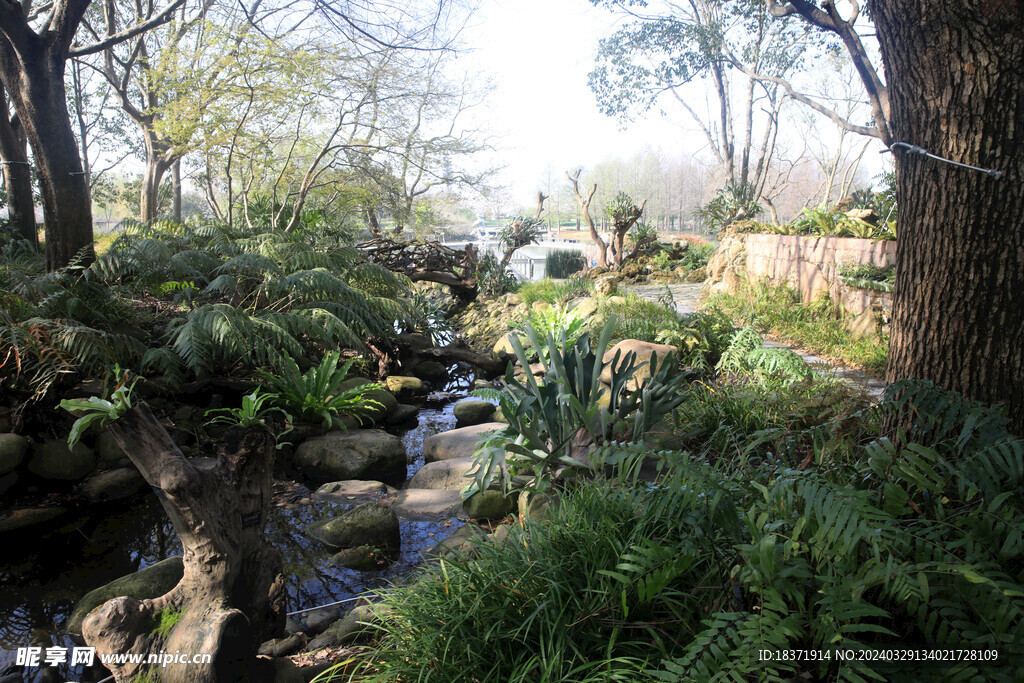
687,298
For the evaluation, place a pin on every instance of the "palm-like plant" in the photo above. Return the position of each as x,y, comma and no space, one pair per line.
317,394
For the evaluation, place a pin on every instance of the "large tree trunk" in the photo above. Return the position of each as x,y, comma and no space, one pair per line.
231,597
176,191
17,174
33,74
955,88
152,177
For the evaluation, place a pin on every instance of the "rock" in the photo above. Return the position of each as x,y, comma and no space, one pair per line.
866,215
504,346
375,413
113,485
586,307
443,474
607,285
292,626
284,671
282,647
373,524
12,451
107,448
403,413
425,505
697,275
355,492
23,518
362,558
398,384
499,535
53,460
540,306
363,454
473,412
489,505
536,506
644,353
453,544
319,620
151,582
357,625
430,369
457,443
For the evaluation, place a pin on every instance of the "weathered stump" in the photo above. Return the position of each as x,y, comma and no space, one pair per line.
231,596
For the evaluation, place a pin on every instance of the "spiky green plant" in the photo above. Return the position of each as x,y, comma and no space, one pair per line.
317,394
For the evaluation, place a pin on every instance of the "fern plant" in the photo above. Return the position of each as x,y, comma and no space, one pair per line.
317,394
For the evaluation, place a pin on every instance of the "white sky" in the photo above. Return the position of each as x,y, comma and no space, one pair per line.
538,54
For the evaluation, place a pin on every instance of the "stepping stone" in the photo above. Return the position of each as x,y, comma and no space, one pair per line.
354,491
426,505
457,443
443,474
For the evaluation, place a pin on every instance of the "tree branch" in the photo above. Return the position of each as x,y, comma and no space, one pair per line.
156,20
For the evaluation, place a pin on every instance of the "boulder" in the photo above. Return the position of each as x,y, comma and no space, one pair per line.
363,454
586,307
607,285
426,505
457,443
466,534
107,448
430,369
403,413
443,474
113,485
7,481
644,352
472,412
148,583
23,518
372,524
489,505
697,275
54,460
319,620
282,647
536,506
362,558
359,624
355,492
386,400
400,385
12,451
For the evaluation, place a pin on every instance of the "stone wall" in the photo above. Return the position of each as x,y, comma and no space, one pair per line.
810,266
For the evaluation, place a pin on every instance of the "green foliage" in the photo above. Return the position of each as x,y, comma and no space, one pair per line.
519,232
732,203
563,263
746,355
816,326
251,413
98,411
555,321
638,318
701,337
916,545
554,423
556,291
318,395
494,279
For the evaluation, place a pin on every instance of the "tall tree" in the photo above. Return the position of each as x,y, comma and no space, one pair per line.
954,89
34,48
17,173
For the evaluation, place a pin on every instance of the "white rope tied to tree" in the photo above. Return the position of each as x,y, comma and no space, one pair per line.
914,149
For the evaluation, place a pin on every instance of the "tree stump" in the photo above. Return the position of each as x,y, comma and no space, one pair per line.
231,596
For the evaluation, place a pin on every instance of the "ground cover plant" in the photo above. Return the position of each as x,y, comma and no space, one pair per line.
553,291
816,326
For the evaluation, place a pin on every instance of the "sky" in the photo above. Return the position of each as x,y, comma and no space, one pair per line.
538,54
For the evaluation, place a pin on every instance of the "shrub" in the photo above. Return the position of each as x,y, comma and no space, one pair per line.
639,318
556,291
318,395
562,263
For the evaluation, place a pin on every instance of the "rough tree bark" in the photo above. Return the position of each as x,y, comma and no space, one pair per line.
954,76
32,72
17,173
584,202
231,597
621,225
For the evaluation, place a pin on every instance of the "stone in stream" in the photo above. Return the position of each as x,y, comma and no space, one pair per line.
318,620
362,558
282,647
489,505
355,492
24,518
443,474
372,524
54,460
458,543
403,413
468,413
375,413
148,583
12,451
457,443
430,369
407,386
107,448
112,485
424,505
359,624
363,454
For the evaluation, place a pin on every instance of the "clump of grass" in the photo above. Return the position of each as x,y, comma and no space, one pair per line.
639,318
556,291
815,326
564,263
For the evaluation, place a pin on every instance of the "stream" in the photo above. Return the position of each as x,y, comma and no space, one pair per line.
41,581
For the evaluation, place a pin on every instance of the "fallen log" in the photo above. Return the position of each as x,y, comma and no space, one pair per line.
231,596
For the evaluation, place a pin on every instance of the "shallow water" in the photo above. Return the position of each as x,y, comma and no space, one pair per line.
40,583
